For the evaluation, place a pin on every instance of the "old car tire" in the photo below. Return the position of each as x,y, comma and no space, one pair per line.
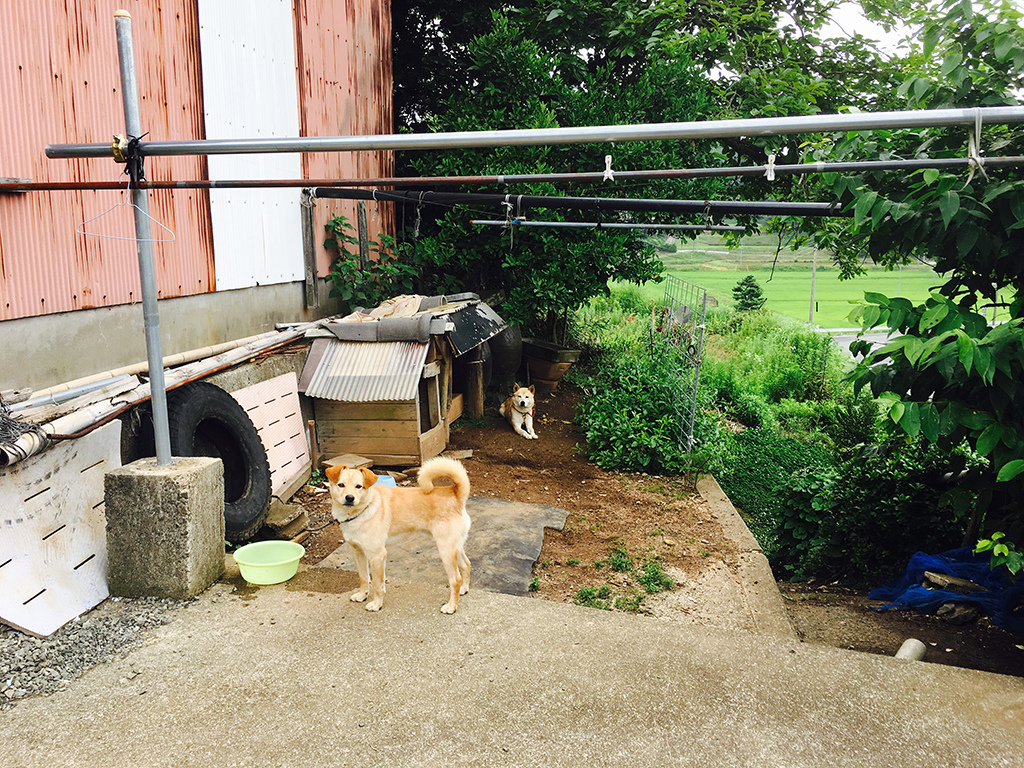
204,420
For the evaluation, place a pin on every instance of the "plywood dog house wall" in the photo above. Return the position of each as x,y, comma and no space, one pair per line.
381,384
391,402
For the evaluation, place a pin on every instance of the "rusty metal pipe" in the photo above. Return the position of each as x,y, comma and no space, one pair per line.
940,163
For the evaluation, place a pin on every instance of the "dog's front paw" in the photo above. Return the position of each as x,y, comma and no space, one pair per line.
448,608
358,597
374,605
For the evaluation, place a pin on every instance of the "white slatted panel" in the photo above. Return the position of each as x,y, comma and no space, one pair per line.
273,407
53,532
250,91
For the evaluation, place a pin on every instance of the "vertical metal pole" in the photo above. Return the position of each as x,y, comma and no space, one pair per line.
814,275
147,274
363,232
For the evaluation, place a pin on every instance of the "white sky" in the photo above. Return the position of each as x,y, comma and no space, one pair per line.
848,19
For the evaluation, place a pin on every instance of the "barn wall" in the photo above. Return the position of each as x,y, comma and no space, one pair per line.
68,299
344,51
59,84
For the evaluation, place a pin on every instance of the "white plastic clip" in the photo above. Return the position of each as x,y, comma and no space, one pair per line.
975,162
769,170
609,175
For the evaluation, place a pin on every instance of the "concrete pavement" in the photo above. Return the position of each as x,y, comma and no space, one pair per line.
289,676
297,675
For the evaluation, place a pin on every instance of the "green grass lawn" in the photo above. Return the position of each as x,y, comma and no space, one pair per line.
789,292
709,263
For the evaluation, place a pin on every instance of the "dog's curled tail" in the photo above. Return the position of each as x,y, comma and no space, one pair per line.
442,466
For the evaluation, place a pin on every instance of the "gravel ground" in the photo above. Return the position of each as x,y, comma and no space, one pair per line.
31,665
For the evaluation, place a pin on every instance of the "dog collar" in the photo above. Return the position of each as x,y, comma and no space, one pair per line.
357,514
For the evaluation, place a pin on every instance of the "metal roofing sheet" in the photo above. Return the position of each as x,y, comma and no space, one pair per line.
360,372
60,83
344,59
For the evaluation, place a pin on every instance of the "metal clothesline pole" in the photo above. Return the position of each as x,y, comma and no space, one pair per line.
144,242
601,134
611,225
22,185
705,207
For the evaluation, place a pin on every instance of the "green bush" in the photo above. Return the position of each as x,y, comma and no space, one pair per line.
839,424
863,522
609,325
630,416
631,300
367,285
758,464
773,357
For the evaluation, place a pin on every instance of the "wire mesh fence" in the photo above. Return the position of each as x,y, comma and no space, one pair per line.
682,328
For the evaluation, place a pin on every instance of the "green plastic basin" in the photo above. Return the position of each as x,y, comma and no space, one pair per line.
269,562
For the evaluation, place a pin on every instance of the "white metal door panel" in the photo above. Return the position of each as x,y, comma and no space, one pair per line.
250,91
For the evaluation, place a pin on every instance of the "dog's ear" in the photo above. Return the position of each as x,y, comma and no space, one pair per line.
368,478
333,473
532,389
515,386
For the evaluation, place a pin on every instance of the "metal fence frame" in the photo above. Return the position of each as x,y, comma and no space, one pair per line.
682,329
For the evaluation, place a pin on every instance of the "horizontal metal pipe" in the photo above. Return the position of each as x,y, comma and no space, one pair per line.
598,134
602,225
170,361
55,397
707,207
408,181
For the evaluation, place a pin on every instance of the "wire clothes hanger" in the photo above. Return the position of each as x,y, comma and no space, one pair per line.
133,166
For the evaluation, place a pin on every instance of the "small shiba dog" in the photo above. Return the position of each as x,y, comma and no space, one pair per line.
518,409
369,513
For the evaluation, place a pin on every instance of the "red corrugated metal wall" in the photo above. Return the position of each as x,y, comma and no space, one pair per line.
60,84
344,51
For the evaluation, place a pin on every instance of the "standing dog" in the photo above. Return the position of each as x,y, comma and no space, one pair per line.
518,409
369,513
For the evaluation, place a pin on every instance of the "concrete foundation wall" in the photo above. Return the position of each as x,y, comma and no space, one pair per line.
39,352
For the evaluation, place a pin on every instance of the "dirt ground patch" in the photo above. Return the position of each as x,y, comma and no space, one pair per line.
648,517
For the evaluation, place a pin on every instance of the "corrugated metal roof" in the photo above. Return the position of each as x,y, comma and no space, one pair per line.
360,372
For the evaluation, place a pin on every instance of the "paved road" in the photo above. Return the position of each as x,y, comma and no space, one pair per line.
844,336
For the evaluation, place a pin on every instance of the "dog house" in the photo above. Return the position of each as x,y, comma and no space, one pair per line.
382,383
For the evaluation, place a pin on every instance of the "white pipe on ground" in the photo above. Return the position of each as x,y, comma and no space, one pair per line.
912,649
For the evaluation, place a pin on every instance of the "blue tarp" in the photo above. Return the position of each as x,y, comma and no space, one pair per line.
1003,601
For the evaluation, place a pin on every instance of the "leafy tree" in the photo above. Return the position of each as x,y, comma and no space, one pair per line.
430,52
545,273
949,373
589,62
747,294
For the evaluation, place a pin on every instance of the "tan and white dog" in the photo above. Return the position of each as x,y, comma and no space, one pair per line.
518,409
369,512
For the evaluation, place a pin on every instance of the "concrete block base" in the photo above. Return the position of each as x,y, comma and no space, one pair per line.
165,527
